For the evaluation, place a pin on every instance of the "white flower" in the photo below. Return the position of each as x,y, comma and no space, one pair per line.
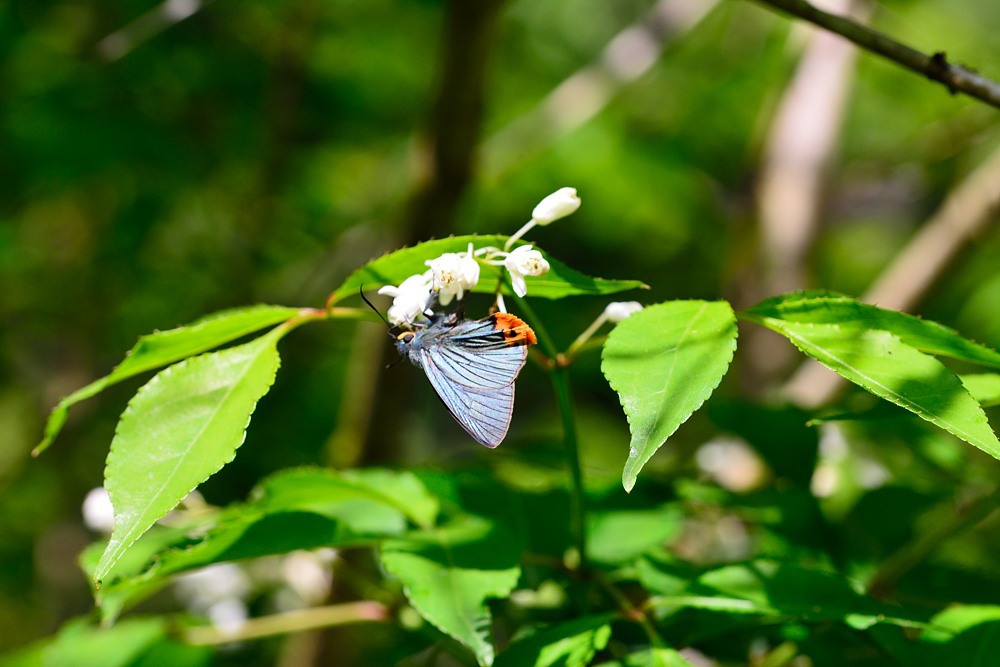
97,511
616,311
452,274
409,300
524,261
559,204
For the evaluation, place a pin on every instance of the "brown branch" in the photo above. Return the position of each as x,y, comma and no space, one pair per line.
956,78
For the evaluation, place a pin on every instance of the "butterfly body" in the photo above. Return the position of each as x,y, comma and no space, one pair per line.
472,365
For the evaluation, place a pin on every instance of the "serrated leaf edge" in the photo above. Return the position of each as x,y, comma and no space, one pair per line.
108,561
628,481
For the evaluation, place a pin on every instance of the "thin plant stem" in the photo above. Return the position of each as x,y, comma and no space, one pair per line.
518,234
585,336
630,611
289,622
559,375
564,399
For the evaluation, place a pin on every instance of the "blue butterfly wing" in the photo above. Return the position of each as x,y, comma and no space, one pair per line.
472,368
483,412
475,355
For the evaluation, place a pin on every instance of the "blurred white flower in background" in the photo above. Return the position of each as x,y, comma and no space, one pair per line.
98,515
219,592
307,578
616,311
732,463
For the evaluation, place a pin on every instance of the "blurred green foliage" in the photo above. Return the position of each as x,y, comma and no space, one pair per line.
261,151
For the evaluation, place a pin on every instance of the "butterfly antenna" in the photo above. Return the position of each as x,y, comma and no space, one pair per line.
361,291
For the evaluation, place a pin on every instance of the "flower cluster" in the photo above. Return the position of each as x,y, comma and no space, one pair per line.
453,274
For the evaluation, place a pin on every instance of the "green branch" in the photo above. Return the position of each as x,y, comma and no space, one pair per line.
559,374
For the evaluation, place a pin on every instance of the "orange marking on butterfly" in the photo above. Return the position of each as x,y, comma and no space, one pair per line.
515,330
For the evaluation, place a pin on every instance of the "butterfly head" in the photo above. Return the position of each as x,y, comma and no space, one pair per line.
403,339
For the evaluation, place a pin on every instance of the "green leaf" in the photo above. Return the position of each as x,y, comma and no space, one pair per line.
395,267
889,368
961,618
769,588
653,657
664,362
571,644
620,536
984,387
830,308
180,429
112,601
448,573
165,347
79,644
296,509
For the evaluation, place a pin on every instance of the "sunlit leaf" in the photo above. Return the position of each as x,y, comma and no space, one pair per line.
770,588
395,267
165,347
652,657
449,573
622,535
664,362
571,644
179,429
984,387
112,600
830,308
967,635
79,644
960,618
887,367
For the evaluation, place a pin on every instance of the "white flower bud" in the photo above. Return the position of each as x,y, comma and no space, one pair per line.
409,300
524,261
559,204
452,274
616,311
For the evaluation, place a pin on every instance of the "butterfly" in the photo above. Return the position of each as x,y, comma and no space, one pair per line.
472,365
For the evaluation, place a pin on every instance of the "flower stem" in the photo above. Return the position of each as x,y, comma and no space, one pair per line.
578,513
290,622
518,234
585,336
559,374
630,611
